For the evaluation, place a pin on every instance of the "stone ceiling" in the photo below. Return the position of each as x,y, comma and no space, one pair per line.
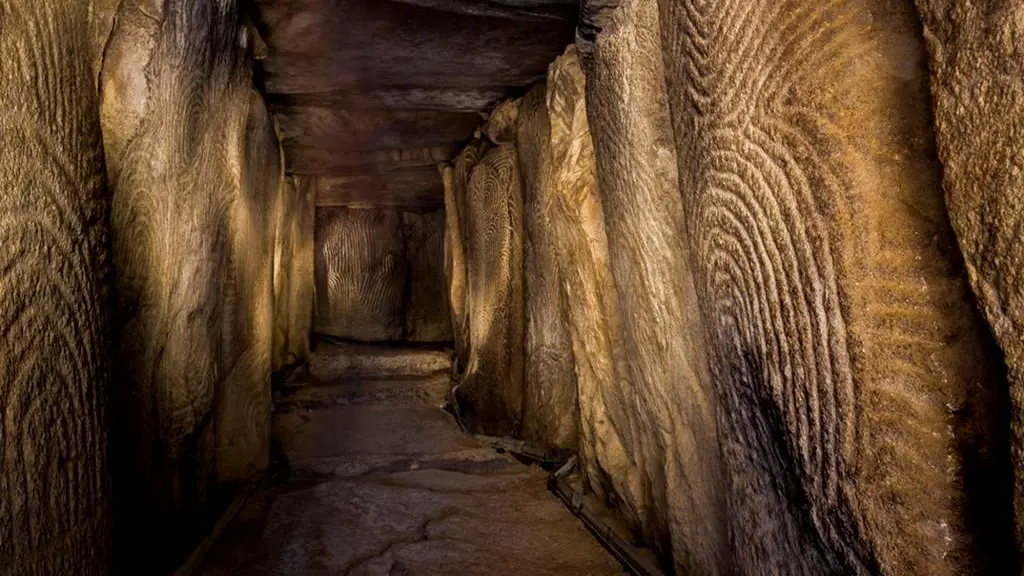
371,94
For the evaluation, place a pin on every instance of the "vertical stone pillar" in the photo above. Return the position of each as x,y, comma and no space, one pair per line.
54,296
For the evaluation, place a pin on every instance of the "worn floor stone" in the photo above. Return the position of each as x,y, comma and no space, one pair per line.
382,481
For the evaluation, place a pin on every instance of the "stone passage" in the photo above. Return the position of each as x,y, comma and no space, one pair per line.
380,480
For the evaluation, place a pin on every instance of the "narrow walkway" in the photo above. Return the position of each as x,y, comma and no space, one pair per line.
380,481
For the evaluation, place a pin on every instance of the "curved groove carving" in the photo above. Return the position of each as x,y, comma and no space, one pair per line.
491,390
54,275
456,181
189,214
664,462
841,343
361,274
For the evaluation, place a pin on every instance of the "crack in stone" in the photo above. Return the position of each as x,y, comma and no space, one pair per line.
422,535
309,478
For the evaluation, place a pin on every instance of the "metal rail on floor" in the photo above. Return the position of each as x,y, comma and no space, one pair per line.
627,554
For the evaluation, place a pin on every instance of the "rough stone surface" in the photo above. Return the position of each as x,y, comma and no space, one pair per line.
372,95
721,267
580,365
490,393
976,64
360,361
242,405
502,123
427,316
843,344
383,482
293,272
54,282
102,14
193,177
413,188
456,181
550,407
361,274
661,456
380,275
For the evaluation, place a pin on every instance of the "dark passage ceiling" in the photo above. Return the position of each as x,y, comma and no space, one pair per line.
371,94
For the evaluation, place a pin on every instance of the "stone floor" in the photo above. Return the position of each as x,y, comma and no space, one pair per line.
380,481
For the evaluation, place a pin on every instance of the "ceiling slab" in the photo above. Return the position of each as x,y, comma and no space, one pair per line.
371,94
409,188
312,161
348,129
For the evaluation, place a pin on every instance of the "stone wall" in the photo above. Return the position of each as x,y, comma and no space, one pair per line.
673,474
843,341
195,176
54,296
486,227
293,272
426,309
380,275
746,305
975,59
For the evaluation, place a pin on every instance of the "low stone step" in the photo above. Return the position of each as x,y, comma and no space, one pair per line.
336,361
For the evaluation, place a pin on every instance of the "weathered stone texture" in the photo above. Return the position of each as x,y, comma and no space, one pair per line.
293,272
192,170
502,122
242,405
380,275
587,285
490,220
427,317
574,346
843,344
456,181
360,274
668,470
977,61
550,408
372,95
54,290
102,14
